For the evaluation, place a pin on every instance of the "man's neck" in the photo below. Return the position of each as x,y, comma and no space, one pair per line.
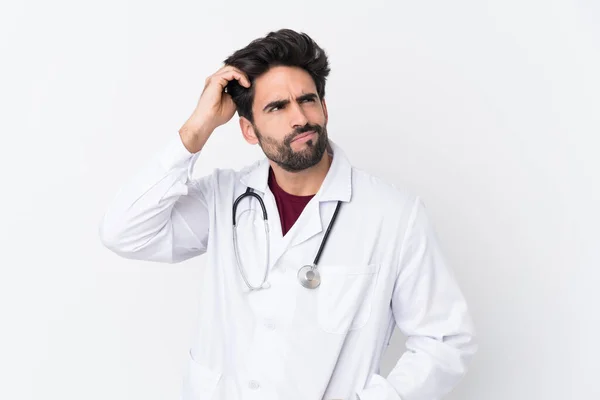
306,182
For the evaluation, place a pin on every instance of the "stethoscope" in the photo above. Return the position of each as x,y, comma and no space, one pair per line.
308,275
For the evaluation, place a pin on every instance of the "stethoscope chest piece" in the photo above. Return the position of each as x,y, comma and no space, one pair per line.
309,277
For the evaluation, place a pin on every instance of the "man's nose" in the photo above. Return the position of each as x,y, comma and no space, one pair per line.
298,118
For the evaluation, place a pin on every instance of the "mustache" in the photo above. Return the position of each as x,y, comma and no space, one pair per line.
299,131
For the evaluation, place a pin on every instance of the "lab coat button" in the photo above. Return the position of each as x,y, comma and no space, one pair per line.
253,385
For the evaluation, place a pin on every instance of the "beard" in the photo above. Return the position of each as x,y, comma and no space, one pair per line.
293,161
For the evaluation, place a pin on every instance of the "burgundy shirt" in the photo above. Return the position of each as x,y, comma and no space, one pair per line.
290,206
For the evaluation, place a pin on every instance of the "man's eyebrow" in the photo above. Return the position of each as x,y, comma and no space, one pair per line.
281,103
307,96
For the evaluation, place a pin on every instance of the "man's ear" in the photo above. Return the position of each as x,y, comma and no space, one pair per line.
248,130
324,104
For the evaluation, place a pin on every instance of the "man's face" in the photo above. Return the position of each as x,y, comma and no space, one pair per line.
290,121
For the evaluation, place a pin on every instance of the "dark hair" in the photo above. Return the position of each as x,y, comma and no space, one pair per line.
284,47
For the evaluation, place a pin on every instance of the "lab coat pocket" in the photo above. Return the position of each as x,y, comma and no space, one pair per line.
345,296
200,382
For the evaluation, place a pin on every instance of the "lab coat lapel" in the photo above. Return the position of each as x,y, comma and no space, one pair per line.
278,241
308,224
318,212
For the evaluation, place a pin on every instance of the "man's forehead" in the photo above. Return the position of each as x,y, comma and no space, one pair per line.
281,83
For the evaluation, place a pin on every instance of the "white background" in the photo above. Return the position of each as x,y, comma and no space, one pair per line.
488,109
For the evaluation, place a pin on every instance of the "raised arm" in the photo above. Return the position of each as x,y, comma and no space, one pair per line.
161,214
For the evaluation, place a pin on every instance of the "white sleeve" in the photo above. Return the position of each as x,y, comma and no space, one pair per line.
431,311
160,214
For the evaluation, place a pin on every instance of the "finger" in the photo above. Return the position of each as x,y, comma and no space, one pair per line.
229,68
225,77
241,77
227,72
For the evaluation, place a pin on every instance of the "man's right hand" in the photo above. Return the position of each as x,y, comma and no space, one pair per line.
214,108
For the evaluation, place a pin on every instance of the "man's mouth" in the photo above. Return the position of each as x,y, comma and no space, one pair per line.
304,136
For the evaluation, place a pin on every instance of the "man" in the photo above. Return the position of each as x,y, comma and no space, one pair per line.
305,308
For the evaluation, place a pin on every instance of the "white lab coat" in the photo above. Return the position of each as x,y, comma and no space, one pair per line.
381,266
